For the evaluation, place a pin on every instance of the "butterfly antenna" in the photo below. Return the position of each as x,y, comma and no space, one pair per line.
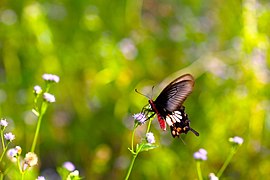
142,94
152,91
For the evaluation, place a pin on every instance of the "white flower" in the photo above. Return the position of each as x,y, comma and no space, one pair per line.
203,151
12,154
51,78
212,176
30,159
37,89
3,123
9,136
18,149
49,97
150,138
237,140
73,175
40,178
200,155
140,117
69,166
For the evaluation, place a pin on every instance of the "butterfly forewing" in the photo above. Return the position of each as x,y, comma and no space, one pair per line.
173,96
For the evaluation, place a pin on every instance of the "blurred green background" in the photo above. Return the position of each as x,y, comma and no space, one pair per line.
102,50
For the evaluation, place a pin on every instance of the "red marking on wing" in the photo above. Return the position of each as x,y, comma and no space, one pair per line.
162,122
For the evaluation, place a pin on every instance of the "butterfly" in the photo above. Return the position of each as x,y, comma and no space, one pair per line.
169,108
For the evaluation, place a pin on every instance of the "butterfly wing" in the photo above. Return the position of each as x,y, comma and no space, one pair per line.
173,96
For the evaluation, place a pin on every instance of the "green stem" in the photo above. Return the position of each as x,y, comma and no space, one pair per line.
47,88
4,152
36,103
2,139
131,166
132,138
19,165
226,163
135,154
43,109
149,125
199,171
132,161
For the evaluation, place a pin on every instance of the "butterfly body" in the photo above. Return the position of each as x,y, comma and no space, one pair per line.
169,106
160,117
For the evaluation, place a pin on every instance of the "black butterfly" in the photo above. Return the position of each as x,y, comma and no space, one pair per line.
169,106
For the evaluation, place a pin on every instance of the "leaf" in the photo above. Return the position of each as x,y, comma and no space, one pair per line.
35,112
147,146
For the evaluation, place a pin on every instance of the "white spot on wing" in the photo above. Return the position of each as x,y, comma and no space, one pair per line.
169,121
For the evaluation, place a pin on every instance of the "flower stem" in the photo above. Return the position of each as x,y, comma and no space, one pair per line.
132,137
19,165
4,152
226,163
131,166
47,88
43,109
149,125
2,139
138,149
199,171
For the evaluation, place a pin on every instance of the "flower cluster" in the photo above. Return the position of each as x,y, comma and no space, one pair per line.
30,160
3,123
40,178
13,153
150,138
40,108
212,176
140,118
42,98
37,90
49,97
200,155
51,78
69,166
9,136
236,140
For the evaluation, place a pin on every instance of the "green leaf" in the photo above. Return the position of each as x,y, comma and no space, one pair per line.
147,146
35,112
